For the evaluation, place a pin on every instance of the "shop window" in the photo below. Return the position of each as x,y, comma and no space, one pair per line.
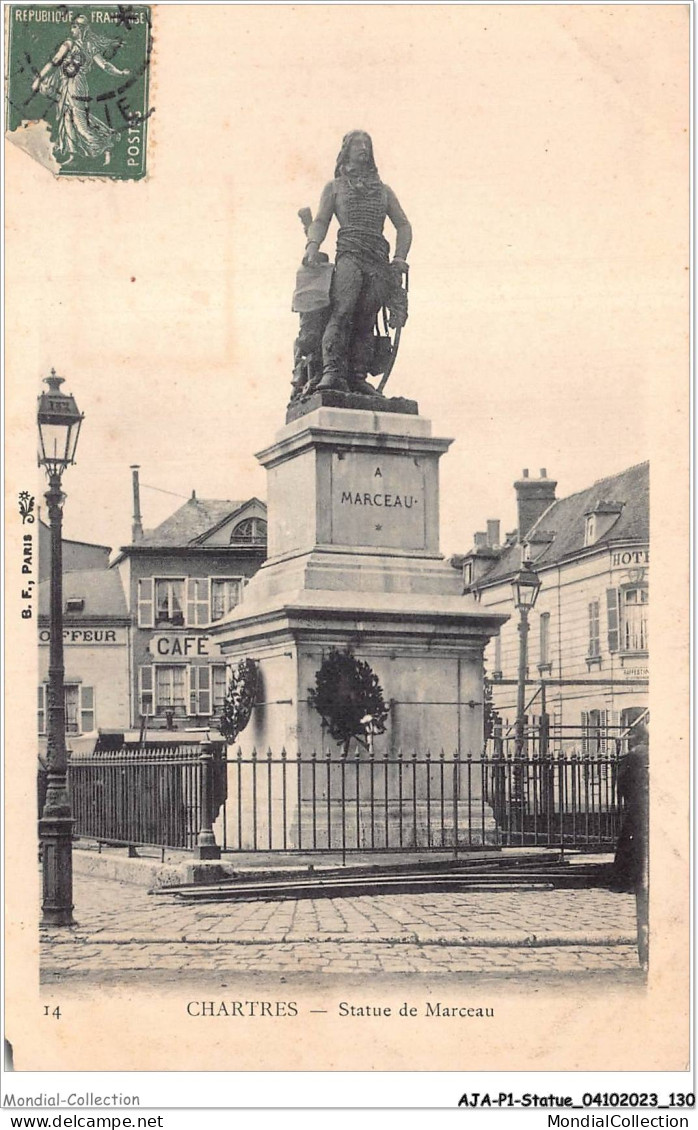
79,708
251,531
226,592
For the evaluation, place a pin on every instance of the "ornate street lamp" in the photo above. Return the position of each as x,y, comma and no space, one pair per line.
59,426
525,586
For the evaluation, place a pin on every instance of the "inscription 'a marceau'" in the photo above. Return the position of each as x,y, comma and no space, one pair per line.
378,498
368,498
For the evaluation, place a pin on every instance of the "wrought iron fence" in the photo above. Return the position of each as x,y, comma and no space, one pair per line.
359,803
413,802
138,797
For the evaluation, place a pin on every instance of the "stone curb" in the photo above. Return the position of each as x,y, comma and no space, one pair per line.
481,940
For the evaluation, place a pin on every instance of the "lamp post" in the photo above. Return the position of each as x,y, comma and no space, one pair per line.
525,586
59,425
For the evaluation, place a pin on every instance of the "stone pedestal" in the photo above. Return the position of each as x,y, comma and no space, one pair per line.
354,561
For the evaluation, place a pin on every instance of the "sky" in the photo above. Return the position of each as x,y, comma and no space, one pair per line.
540,153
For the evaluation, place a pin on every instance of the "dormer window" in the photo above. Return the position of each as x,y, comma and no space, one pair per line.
467,574
600,519
251,531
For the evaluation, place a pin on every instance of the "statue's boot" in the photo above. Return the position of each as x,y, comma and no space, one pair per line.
331,379
364,388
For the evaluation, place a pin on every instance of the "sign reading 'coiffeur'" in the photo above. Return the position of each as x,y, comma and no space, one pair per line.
88,636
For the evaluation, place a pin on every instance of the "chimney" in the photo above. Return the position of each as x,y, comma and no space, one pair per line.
493,533
480,539
533,497
137,526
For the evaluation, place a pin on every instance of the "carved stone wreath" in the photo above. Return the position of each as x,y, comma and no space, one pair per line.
240,698
348,697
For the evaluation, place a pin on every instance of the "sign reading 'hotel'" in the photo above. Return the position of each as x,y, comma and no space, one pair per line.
378,500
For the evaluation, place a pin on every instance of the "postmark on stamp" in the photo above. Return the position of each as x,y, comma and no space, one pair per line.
77,87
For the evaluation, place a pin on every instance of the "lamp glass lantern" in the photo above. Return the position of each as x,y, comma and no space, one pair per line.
525,586
59,427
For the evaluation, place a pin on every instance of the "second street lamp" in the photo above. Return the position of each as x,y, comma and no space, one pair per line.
59,425
525,586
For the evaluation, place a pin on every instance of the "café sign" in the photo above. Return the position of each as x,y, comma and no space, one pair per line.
172,645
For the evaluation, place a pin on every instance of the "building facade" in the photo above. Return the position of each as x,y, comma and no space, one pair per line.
96,639
179,580
588,643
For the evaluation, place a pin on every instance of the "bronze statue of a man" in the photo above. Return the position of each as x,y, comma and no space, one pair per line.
364,278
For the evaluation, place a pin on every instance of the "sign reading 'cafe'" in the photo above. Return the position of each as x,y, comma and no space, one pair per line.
171,645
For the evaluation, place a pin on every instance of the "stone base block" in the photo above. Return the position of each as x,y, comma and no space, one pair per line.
398,826
333,398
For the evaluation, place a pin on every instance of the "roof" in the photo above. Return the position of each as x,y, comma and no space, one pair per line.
196,517
100,589
77,555
565,520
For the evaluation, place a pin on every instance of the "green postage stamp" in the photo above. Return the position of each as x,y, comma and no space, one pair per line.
77,87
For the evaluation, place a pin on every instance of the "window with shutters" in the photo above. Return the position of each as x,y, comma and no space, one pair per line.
612,619
145,603
169,602
594,732
171,690
634,606
200,689
219,681
594,622
146,689
226,593
87,709
72,708
79,708
198,606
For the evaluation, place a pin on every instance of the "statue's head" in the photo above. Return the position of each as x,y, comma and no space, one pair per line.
357,150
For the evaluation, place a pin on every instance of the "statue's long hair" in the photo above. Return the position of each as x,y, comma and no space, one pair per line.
94,41
343,155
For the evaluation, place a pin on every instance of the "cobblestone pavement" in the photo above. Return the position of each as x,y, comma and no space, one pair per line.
123,932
